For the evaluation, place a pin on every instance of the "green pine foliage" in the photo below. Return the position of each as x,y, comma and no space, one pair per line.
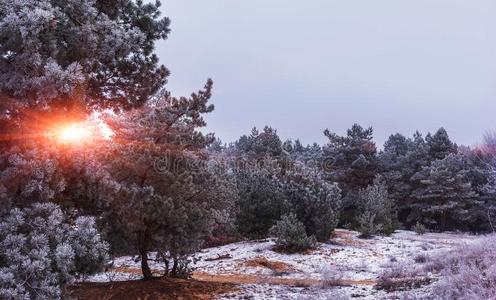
261,202
444,192
291,235
376,210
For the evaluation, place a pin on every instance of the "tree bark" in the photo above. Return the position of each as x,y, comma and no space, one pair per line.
145,238
174,268
166,272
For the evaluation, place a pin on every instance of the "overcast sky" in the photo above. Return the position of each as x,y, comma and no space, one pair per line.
303,66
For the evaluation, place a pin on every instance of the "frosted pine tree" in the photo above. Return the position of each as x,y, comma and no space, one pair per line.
439,144
350,161
315,202
401,159
168,198
444,194
376,210
291,235
41,251
103,47
260,144
261,201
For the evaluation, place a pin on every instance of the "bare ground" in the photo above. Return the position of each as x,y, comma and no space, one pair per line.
159,289
253,270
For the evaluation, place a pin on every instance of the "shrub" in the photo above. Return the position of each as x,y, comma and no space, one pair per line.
367,225
396,269
399,275
41,251
181,268
330,276
316,203
376,210
419,228
468,272
291,235
260,201
420,258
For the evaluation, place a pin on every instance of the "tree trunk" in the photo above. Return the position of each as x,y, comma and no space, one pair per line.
174,268
145,238
166,272
443,220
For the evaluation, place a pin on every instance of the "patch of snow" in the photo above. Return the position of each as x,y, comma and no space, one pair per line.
355,260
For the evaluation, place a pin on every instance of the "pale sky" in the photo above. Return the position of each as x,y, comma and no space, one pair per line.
303,66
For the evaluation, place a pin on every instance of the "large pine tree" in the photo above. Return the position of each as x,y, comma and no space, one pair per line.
445,192
350,161
166,197
49,49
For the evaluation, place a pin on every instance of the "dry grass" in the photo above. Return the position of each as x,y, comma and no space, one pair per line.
402,284
277,267
257,279
134,271
346,238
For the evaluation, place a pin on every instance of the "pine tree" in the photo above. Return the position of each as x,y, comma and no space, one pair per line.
376,210
103,47
166,197
315,202
439,144
398,145
444,194
291,236
351,162
260,144
401,159
42,250
261,201
354,157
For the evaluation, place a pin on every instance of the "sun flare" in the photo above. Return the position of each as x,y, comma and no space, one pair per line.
74,133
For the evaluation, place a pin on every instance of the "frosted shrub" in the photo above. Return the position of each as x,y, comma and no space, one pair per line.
395,269
419,228
367,224
40,251
420,258
315,203
330,276
291,235
376,210
401,275
467,273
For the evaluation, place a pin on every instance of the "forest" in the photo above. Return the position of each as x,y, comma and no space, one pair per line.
100,160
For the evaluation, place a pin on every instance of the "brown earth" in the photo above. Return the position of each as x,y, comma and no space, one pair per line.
158,289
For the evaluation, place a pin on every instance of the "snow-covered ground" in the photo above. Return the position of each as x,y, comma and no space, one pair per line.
265,274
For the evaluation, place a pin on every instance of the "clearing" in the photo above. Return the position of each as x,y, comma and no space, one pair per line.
346,267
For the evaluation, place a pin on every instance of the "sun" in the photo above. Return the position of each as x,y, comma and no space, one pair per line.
78,132
74,133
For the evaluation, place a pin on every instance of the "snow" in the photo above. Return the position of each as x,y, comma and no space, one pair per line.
355,258
358,262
